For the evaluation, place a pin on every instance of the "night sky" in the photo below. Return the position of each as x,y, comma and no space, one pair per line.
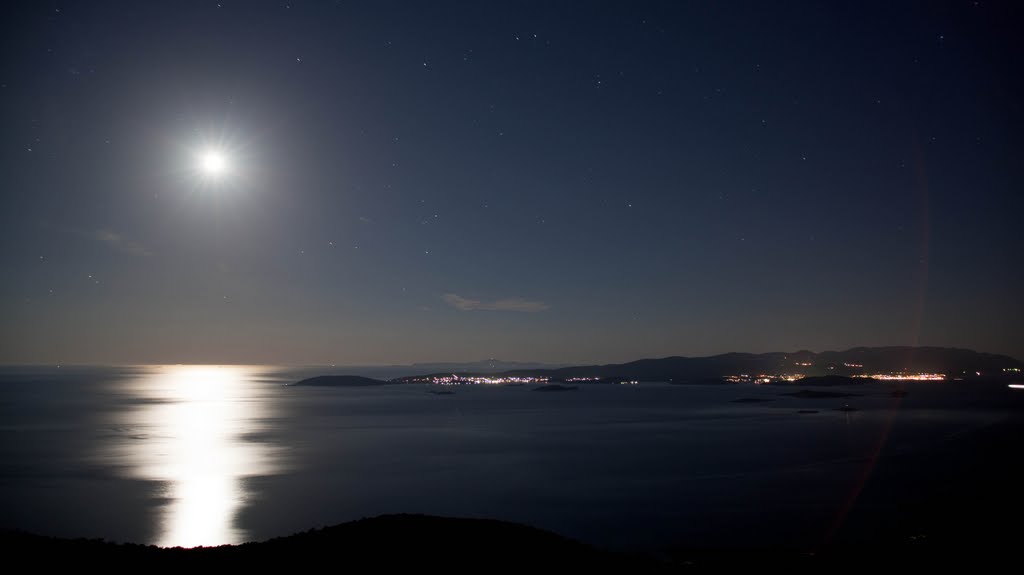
568,182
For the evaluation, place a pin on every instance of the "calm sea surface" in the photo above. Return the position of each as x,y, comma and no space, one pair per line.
200,455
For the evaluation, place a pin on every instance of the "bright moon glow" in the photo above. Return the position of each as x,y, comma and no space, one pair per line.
213,163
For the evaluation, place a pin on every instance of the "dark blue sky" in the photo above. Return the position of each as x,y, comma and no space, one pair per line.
550,181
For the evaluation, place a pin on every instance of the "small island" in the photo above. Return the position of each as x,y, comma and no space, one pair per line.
832,380
556,387
814,394
340,381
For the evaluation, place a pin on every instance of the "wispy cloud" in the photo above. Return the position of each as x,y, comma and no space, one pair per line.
507,304
120,243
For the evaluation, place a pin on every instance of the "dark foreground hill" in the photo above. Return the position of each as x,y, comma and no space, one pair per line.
381,544
429,544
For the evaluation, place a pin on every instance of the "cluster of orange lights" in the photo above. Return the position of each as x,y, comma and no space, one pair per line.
763,378
477,380
905,376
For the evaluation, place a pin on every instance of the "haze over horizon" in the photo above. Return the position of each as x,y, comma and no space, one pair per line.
496,364
398,182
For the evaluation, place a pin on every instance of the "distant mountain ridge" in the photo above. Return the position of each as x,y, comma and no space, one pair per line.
953,362
490,365
399,371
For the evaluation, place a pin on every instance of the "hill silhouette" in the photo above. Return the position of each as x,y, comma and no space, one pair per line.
427,543
341,381
382,543
855,361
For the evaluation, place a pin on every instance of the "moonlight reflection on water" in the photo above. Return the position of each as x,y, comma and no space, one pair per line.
192,426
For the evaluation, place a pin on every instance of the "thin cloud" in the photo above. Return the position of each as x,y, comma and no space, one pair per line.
120,243
507,304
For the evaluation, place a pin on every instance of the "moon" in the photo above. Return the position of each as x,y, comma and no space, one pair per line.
213,163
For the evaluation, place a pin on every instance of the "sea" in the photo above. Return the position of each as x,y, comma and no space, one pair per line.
210,455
